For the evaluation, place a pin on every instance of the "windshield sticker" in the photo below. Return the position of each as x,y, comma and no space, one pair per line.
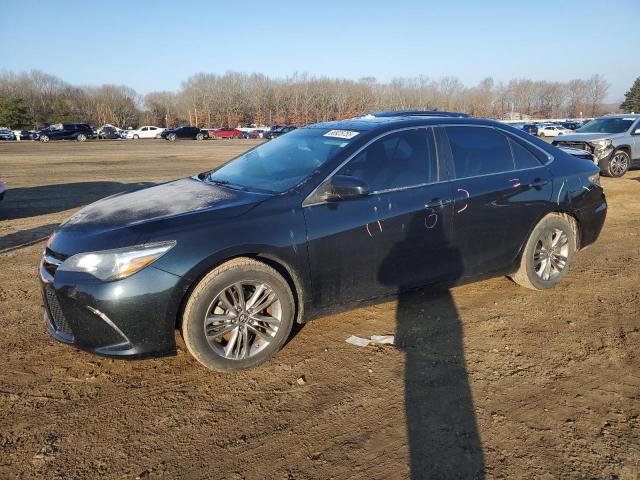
347,134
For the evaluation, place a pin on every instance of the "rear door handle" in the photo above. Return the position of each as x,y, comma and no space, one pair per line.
437,202
539,182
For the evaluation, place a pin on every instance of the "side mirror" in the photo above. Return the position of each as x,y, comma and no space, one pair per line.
343,187
636,131
337,188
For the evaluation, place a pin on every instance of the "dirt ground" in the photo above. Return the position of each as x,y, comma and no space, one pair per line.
490,380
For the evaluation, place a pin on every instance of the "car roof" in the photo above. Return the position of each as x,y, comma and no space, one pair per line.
622,115
372,123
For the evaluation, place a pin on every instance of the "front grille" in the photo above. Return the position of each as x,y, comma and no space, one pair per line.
578,145
55,312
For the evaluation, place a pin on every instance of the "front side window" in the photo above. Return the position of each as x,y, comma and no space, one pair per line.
479,151
401,159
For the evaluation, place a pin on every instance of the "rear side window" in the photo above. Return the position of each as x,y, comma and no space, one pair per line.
401,159
479,151
522,156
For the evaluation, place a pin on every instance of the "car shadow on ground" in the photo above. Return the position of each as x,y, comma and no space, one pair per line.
25,237
442,431
46,199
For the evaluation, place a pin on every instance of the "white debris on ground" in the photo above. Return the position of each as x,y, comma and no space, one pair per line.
375,339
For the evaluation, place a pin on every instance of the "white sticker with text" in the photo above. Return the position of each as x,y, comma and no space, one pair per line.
348,134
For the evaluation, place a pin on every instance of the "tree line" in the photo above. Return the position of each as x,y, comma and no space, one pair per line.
35,99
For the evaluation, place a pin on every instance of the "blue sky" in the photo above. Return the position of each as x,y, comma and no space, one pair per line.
155,45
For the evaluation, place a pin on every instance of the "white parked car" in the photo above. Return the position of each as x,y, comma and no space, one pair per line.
553,131
148,131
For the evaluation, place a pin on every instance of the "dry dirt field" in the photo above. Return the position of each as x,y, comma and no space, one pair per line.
491,380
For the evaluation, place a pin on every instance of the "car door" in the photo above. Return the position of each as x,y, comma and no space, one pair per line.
143,132
152,132
635,147
394,238
501,188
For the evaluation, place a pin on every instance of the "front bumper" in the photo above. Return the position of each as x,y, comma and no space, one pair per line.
134,317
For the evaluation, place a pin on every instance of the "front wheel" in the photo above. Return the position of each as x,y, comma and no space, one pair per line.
238,316
136,137
548,253
172,137
81,138
616,165
44,138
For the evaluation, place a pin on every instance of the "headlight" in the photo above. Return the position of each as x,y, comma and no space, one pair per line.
602,144
595,179
116,264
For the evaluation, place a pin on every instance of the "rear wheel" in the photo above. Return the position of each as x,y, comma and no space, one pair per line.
199,136
238,316
548,253
616,165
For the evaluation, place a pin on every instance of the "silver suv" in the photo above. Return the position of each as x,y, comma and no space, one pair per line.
614,141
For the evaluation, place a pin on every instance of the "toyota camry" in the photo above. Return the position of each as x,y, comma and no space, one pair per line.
323,216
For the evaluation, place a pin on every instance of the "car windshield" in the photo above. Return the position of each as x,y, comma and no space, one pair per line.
607,125
280,164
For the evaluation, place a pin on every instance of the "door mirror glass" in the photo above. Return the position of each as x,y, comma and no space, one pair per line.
637,131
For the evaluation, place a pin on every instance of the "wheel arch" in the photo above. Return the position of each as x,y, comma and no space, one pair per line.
567,214
278,264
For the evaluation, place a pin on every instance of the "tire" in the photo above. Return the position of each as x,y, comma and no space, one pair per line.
81,138
616,165
44,138
542,134
199,136
136,137
531,272
171,137
205,301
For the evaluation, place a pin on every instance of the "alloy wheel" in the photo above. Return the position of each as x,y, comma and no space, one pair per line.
242,320
619,164
551,253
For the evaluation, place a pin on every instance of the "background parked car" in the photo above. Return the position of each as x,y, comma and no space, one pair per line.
66,131
553,131
147,131
278,130
571,125
530,128
26,134
225,133
185,132
254,134
614,141
6,134
108,132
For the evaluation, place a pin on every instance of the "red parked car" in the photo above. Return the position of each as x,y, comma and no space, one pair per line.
225,133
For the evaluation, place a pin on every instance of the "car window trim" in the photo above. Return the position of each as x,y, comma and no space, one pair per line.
506,133
388,190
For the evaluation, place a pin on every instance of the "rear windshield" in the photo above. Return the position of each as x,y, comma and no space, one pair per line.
607,125
279,164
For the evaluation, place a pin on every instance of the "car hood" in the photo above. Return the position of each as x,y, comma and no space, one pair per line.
122,219
587,137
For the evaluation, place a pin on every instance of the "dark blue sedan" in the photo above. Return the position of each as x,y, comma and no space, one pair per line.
324,216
